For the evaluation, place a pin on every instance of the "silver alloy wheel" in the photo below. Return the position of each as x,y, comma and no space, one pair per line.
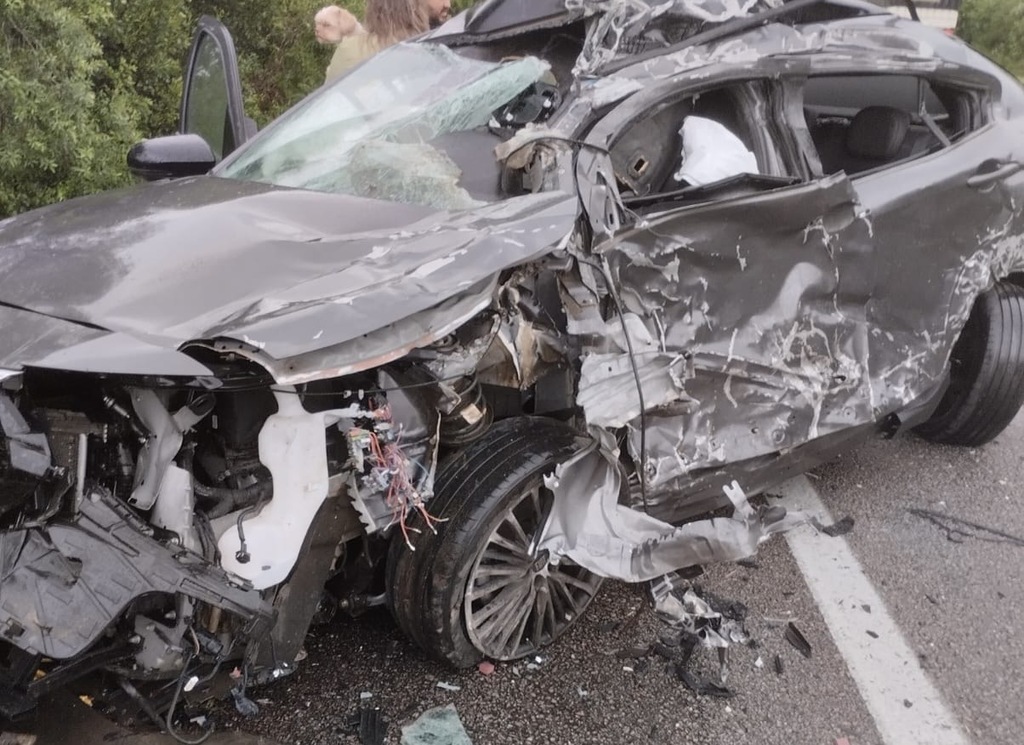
516,600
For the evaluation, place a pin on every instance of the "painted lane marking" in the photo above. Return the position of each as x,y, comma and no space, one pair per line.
882,663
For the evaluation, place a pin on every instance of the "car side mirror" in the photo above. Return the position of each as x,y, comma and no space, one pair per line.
171,157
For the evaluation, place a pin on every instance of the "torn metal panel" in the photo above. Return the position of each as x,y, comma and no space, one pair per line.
92,568
759,348
622,27
301,288
590,526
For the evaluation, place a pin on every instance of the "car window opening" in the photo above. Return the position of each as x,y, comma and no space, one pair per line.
860,123
702,147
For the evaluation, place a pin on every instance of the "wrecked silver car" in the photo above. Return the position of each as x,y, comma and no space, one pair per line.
501,313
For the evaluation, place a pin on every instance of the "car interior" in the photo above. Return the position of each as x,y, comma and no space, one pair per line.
860,123
649,152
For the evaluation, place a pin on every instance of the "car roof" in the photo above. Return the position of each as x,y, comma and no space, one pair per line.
494,19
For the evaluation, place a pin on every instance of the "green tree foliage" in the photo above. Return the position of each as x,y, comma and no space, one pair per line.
82,80
996,27
67,115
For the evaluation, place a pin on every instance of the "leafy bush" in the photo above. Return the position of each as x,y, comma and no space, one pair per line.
82,80
996,27
67,115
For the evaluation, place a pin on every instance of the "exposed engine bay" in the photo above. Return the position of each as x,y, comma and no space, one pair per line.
150,527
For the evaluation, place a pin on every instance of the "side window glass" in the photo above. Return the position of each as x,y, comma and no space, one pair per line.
206,101
860,123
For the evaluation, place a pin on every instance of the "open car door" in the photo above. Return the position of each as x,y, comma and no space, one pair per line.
211,101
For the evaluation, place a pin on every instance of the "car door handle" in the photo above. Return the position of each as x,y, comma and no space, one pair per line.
988,178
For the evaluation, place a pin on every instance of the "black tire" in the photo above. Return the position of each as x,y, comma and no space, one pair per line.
474,491
986,387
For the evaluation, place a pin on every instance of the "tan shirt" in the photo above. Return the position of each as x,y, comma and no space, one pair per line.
352,50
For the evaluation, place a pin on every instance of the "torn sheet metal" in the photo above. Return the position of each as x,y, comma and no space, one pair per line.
319,271
750,361
623,27
590,526
94,567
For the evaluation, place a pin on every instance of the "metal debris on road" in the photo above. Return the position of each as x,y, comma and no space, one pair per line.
702,687
957,529
797,640
436,726
709,621
836,529
779,667
448,686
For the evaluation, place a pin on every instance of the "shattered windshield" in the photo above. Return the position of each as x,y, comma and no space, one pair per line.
379,132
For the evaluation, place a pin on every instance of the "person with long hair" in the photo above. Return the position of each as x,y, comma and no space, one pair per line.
387,22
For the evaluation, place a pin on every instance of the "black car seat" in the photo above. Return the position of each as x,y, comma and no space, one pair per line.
876,136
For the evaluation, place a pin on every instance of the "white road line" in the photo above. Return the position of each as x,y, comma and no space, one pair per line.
885,668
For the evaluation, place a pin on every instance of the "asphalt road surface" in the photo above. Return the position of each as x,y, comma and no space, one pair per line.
912,617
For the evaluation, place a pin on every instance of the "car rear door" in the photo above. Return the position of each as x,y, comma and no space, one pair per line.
936,211
211,102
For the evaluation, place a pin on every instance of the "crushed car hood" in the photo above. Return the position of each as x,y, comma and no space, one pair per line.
286,272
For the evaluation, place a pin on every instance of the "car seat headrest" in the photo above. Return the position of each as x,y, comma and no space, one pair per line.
877,133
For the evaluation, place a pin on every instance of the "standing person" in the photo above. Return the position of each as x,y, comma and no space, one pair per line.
392,21
387,22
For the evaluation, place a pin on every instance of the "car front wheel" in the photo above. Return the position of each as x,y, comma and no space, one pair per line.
986,386
481,586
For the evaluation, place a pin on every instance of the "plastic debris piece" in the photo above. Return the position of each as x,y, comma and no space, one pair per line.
836,529
486,668
797,640
436,726
365,696
627,669
582,693
702,687
371,726
759,663
448,686
191,683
